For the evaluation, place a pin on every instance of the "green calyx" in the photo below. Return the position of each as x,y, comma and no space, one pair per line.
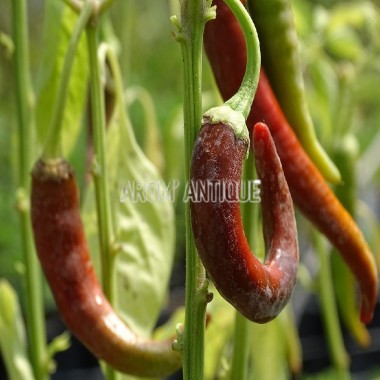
226,115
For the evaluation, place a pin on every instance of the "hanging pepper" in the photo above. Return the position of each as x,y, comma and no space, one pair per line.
64,255
226,50
258,291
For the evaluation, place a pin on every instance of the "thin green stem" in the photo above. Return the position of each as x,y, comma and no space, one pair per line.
106,51
100,172
125,19
103,203
243,99
25,113
194,15
53,144
338,352
239,366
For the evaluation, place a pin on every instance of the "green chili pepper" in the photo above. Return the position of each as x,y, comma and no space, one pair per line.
280,56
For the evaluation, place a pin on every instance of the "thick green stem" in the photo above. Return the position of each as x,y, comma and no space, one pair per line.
25,114
243,99
194,15
337,350
53,145
103,203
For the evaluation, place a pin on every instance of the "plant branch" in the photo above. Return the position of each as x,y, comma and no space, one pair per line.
194,15
25,115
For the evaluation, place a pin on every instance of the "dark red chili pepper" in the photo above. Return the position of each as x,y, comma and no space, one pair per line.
258,291
225,47
64,255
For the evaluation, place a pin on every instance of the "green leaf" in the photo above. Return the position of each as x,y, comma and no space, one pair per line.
218,335
344,43
269,352
12,335
60,22
144,223
152,144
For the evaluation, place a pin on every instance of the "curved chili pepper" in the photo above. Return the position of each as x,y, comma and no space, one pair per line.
225,47
258,291
64,255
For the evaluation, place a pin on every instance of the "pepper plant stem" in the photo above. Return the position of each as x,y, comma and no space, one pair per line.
190,34
338,352
103,203
24,106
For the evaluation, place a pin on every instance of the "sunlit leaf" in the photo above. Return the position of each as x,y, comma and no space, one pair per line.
12,335
144,224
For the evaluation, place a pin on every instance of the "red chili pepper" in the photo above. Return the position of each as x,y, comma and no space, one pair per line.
225,47
64,255
258,291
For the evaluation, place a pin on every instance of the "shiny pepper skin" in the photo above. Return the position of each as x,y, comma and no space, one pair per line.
258,291
63,252
225,48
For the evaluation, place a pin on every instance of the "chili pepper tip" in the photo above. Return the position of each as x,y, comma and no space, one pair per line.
367,310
